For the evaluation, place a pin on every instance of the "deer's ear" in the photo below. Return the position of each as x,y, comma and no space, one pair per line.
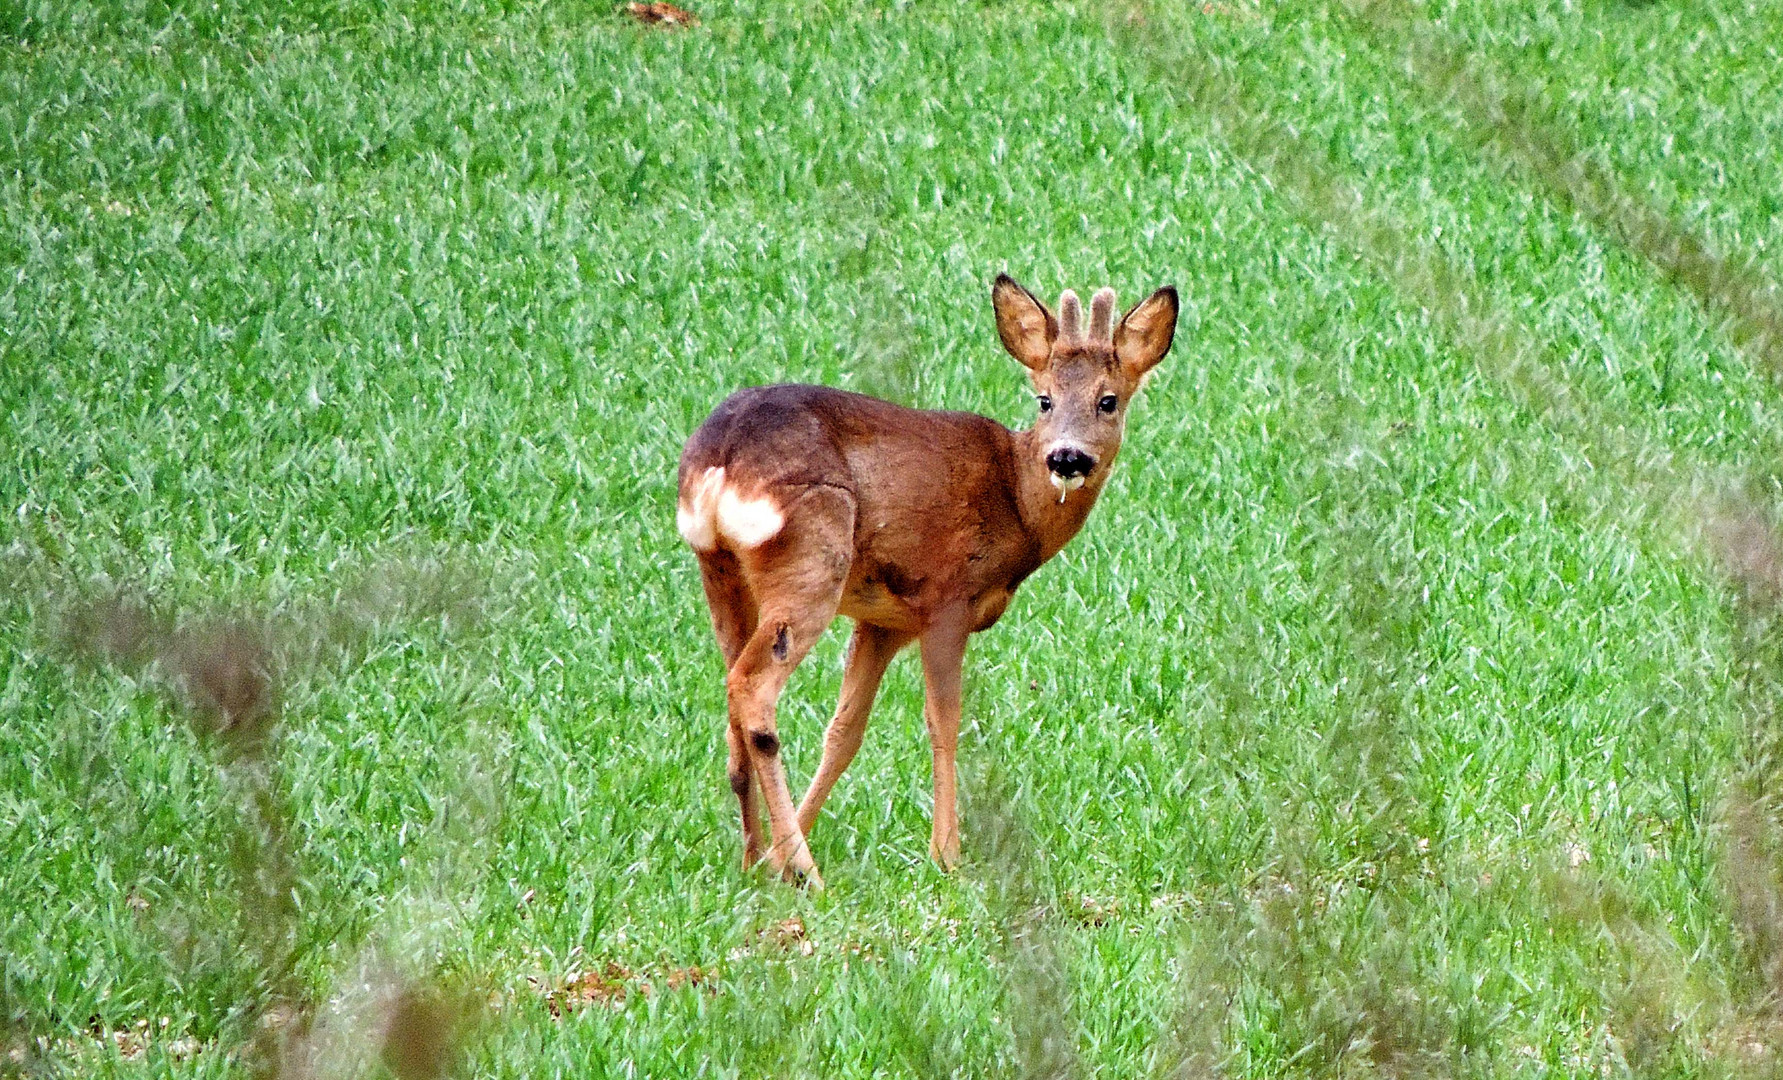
1146,331
1024,324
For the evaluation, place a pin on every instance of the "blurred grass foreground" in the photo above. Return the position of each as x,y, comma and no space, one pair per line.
1412,705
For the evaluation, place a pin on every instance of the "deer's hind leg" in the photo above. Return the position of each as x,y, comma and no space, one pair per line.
797,580
734,616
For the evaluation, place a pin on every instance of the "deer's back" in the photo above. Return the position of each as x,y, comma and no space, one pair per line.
935,507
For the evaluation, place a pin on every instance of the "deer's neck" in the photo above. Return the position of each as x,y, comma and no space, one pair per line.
1052,521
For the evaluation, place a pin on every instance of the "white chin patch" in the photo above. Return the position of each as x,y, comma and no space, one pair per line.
1065,486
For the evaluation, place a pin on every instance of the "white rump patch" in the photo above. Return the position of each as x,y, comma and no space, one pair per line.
696,512
748,523
709,508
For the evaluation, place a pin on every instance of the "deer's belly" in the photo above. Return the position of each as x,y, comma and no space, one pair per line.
989,607
871,602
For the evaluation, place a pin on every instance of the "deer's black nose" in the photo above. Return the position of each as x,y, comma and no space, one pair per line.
1069,462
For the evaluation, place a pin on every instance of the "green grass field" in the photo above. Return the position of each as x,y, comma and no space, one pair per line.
1388,717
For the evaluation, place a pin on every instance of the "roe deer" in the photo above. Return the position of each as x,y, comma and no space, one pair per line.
804,502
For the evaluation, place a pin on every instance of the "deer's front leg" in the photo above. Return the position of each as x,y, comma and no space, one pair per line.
943,656
869,651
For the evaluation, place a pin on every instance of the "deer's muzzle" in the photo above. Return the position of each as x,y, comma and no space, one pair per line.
1070,463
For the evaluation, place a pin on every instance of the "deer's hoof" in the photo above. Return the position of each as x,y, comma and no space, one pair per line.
808,879
946,856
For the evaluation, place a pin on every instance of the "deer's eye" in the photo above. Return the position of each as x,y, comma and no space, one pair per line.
1108,404
1045,403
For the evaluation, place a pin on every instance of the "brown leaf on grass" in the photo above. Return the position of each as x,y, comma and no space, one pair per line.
676,978
788,935
614,983
1748,1041
667,16
131,1042
608,986
1092,911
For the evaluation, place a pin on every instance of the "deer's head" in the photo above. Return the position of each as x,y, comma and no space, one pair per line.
1083,378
